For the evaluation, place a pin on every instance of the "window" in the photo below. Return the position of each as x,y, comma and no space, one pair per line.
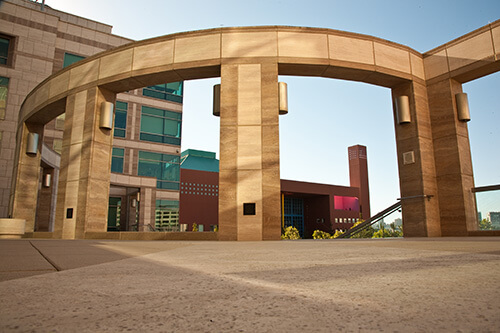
167,91
161,126
70,59
121,119
165,168
167,215
114,212
4,89
6,44
117,158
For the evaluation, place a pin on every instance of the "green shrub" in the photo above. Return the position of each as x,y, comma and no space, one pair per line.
195,227
290,233
337,233
319,234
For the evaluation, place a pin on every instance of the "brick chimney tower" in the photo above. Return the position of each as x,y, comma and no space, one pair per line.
358,176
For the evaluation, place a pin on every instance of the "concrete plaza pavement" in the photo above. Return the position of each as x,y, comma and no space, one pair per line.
388,285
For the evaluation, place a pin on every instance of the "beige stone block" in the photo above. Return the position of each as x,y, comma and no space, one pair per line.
228,147
197,48
83,74
74,30
8,8
249,44
116,63
436,64
351,49
392,57
74,162
496,38
249,148
470,50
249,190
42,93
249,95
51,20
417,66
59,84
302,45
153,55
71,195
78,118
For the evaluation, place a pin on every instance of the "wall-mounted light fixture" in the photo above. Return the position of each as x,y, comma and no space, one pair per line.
106,120
283,97
462,107
403,109
216,104
32,144
47,179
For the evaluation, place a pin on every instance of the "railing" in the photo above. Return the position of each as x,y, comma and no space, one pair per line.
372,220
488,206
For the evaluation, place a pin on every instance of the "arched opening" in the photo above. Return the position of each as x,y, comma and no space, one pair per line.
326,116
484,136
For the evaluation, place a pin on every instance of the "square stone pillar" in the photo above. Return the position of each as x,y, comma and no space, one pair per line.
24,189
417,173
249,153
83,191
455,178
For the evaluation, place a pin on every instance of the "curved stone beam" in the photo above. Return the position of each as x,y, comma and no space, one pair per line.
199,54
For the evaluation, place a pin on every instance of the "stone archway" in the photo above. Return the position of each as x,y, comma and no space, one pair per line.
249,60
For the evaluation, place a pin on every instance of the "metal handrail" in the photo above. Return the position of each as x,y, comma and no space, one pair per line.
375,218
485,188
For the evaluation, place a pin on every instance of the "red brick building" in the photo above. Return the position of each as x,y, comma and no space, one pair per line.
307,206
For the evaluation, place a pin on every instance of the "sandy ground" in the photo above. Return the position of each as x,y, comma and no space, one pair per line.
386,285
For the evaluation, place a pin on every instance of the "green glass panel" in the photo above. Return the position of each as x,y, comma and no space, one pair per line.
117,160
153,111
117,164
146,155
118,152
149,169
151,124
172,115
171,127
70,59
167,204
121,105
119,133
4,50
120,119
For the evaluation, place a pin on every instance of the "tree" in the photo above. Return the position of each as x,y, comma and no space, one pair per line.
365,233
484,224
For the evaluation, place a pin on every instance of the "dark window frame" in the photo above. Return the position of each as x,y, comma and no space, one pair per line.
10,52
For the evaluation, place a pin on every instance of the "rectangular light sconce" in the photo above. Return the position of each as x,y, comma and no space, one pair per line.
403,109
47,179
216,104
32,144
462,107
106,120
283,97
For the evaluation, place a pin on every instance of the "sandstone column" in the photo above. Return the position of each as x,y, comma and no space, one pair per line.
24,189
417,175
83,192
453,160
249,152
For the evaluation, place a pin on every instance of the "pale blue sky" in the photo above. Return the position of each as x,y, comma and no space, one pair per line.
326,116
